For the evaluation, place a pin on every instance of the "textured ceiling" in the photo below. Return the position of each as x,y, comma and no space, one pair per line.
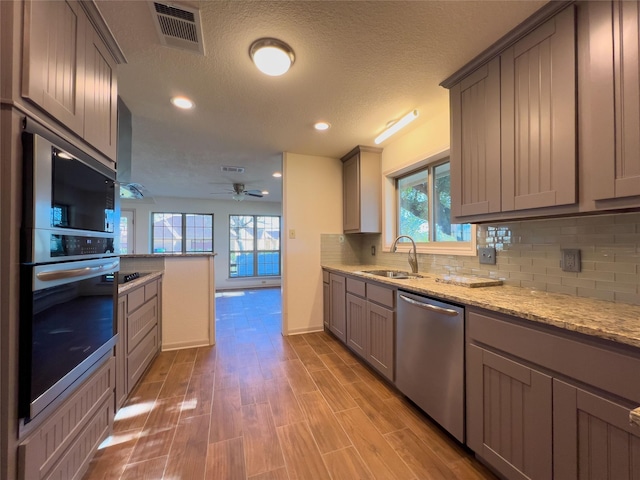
359,65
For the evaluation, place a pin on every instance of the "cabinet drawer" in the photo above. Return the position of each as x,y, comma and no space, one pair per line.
140,322
357,287
48,447
150,290
135,298
381,295
141,357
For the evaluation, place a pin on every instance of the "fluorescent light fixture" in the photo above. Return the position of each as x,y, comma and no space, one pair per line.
403,122
182,102
322,126
277,174
273,57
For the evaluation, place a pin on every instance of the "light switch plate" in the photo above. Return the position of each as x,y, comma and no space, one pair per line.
487,255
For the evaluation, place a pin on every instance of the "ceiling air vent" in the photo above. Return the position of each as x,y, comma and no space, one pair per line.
178,26
232,169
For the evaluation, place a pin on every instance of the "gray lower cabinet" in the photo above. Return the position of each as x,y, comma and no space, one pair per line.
63,445
326,304
337,318
545,403
371,324
357,324
509,421
592,436
139,342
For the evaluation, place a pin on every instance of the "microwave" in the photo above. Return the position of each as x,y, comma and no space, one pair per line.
71,201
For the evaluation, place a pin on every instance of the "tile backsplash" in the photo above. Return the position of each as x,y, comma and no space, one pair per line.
528,255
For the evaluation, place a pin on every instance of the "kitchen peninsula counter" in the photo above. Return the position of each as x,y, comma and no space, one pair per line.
188,295
617,322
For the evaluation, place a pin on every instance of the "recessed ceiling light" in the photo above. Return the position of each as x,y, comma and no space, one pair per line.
277,174
64,155
272,56
182,102
322,126
265,192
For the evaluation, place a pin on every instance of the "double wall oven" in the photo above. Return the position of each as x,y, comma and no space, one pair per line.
69,268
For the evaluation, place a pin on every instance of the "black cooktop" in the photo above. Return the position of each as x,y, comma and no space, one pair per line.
127,277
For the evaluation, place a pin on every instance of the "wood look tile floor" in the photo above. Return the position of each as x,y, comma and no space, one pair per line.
262,406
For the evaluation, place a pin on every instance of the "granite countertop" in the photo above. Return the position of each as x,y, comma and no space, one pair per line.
144,278
168,255
617,322
634,417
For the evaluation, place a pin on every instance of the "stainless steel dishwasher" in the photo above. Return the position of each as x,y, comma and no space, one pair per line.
430,358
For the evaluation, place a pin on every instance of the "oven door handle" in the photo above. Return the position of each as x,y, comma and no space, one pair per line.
51,275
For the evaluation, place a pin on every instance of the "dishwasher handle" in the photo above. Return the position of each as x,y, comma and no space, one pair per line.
428,306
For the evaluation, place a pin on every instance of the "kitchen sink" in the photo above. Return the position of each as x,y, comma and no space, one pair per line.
395,274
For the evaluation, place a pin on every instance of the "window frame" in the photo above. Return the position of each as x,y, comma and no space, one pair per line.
390,211
183,232
255,249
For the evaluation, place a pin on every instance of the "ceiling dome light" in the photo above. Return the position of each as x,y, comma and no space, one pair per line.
182,102
321,126
272,56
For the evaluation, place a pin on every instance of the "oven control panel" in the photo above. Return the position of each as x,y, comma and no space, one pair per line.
72,245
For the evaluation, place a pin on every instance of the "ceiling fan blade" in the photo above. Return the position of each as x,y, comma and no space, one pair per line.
252,194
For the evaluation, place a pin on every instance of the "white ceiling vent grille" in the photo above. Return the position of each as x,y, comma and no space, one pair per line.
178,26
229,169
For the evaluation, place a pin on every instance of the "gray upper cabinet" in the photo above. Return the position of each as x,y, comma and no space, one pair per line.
513,125
54,55
362,190
611,144
475,142
69,71
538,116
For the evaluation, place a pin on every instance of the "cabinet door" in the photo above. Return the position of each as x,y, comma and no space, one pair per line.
538,120
357,324
53,59
121,353
592,437
326,304
509,416
475,142
351,193
338,321
100,125
381,339
623,173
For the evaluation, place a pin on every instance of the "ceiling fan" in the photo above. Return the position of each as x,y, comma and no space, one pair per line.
238,193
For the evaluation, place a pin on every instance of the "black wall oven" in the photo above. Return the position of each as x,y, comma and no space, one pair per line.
69,268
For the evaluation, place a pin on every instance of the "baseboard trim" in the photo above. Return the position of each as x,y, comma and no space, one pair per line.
183,345
300,331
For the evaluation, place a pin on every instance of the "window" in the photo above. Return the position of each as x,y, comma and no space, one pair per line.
422,198
126,232
254,246
182,233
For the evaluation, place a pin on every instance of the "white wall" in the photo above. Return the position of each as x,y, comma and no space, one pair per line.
312,205
221,211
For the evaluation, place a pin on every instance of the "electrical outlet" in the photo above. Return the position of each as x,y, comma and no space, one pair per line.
570,260
487,255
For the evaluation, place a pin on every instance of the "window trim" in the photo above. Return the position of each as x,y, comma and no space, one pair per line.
183,233
390,209
255,247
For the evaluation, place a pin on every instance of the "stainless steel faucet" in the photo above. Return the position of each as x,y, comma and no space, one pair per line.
413,260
